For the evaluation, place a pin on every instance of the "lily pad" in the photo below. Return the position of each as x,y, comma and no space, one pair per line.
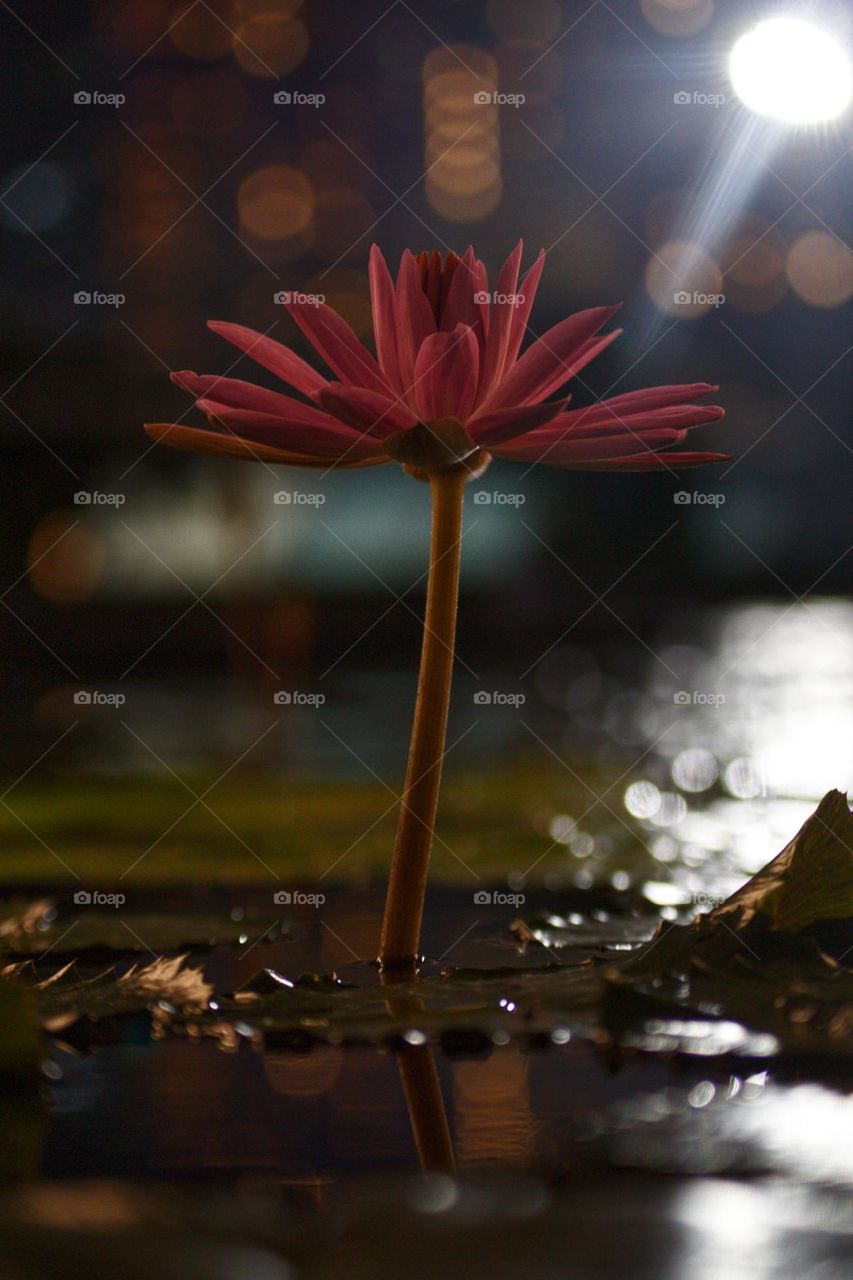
35,928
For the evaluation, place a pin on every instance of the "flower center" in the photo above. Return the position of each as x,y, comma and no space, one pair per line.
436,277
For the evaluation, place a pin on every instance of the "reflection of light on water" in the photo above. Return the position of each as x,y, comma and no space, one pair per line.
788,677
745,1123
752,732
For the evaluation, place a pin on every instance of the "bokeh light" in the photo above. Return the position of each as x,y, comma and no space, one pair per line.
462,149
820,269
753,264
678,18
275,202
65,558
40,194
683,280
203,31
346,291
270,43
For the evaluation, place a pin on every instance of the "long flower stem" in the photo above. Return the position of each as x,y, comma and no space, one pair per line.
404,905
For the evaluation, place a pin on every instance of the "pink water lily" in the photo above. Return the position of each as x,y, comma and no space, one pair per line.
447,385
445,391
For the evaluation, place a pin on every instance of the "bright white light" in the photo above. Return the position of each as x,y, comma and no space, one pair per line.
787,68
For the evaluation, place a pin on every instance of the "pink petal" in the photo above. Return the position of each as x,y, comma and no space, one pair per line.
335,341
224,444
500,323
481,285
272,355
238,395
660,397
521,315
657,462
328,439
548,363
415,322
366,411
461,306
446,373
600,420
382,303
504,424
568,452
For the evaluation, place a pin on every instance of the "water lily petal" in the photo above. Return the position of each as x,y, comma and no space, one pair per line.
500,323
601,420
461,306
504,424
446,374
568,452
197,440
549,362
415,322
328,439
382,306
521,314
656,462
332,337
366,411
237,394
272,355
660,397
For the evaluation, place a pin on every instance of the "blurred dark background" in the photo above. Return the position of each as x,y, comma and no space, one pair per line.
147,164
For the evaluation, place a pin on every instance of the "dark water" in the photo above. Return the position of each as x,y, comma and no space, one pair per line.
693,1163
189,1107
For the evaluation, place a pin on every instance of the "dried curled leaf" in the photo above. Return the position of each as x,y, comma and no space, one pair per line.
810,880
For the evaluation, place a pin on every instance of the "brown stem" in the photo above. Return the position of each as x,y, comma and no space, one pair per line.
404,905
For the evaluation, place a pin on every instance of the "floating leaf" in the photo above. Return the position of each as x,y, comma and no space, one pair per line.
37,928
66,996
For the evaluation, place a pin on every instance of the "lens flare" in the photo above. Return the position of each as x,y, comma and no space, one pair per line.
791,70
